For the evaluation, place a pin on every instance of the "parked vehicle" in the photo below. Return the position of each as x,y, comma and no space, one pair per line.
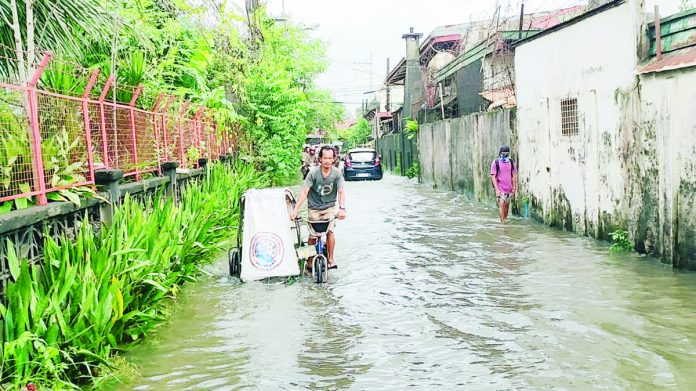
362,163
314,140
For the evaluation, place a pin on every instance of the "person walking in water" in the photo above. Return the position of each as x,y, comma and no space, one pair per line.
504,179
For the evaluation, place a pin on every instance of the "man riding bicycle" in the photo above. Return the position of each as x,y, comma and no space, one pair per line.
322,187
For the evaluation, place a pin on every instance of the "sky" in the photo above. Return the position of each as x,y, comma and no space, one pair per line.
362,34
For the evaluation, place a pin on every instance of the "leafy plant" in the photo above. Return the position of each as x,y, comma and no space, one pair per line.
620,241
15,151
65,321
357,134
61,77
413,171
411,128
193,154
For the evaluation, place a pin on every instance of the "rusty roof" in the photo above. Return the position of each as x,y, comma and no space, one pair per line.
677,60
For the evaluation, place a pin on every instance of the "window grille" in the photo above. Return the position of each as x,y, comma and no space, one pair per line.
569,117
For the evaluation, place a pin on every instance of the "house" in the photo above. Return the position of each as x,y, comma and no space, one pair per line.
379,112
345,124
605,127
482,77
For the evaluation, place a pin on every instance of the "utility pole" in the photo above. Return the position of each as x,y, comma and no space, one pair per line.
519,36
370,65
442,100
387,105
371,70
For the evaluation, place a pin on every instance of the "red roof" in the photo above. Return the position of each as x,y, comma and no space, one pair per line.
346,124
554,19
446,38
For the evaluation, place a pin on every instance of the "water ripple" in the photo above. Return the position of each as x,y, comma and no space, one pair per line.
433,293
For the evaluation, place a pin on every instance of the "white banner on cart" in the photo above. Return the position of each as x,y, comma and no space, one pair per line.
268,242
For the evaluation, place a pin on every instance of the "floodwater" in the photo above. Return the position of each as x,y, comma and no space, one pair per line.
433,293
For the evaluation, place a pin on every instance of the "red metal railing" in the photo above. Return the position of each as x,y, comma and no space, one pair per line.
51,141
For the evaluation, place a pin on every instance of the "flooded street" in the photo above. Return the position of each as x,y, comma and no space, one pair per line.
433,293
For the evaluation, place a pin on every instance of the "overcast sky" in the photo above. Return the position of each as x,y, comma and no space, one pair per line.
360,32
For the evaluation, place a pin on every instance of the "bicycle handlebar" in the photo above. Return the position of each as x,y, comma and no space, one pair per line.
298,218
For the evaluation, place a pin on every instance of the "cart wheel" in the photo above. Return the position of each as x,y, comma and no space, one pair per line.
233,257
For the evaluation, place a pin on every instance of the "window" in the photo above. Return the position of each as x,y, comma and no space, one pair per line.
362,156
569,117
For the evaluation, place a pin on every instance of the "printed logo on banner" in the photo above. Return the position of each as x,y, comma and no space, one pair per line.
266,250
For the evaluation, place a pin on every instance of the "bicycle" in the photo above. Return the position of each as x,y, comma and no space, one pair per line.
318,229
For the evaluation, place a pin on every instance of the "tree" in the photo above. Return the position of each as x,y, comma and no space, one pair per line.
323,113
357,134
279,102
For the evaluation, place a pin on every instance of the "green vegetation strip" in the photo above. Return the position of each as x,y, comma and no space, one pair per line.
64,324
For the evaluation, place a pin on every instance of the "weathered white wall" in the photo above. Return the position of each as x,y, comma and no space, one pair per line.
627,168
665,153
575,179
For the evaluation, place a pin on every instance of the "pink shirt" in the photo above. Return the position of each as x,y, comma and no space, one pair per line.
504,177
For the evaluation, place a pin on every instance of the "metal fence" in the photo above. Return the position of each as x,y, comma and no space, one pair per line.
50,140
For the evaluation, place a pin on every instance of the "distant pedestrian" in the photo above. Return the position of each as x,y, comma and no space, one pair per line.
504,179
337,156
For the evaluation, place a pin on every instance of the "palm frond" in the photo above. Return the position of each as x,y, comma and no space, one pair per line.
64,27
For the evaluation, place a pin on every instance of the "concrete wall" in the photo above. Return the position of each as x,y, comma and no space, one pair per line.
397,151
456,154
631,166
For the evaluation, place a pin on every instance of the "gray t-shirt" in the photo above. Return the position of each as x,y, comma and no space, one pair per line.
323,191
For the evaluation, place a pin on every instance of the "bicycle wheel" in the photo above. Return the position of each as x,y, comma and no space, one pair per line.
319,269
325,271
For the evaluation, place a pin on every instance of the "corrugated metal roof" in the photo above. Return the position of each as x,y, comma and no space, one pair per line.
446,38
677,31
678,38
677,60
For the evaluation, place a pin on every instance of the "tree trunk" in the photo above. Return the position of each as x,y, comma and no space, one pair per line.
19,47
31,49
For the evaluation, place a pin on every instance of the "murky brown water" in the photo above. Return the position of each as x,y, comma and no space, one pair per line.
433,293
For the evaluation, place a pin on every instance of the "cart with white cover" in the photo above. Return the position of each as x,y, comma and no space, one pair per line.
268,237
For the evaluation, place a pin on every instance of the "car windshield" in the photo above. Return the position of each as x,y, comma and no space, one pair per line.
362,156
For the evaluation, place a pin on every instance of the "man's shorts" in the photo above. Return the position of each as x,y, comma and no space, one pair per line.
326,214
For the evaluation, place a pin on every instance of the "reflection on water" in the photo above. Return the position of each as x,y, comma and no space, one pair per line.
433,293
